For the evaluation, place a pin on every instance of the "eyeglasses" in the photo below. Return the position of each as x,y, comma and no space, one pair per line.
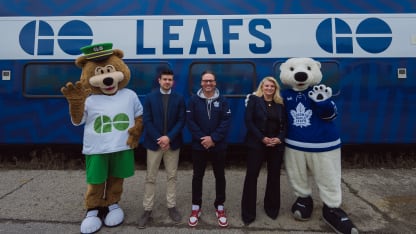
208,81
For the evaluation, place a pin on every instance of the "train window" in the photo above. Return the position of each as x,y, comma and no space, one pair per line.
330,74
234,78
46,79
144,76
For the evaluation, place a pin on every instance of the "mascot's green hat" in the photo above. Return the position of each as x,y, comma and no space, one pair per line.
98,51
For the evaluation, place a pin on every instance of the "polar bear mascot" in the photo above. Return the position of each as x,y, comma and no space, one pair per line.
312,142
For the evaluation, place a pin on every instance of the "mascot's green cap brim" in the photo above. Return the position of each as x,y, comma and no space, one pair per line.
97,51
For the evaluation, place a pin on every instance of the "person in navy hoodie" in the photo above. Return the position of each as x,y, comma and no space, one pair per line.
208,118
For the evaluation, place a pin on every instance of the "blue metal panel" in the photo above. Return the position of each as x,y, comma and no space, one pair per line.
212,7
374,105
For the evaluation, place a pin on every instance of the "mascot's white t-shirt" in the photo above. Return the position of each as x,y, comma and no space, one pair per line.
107,120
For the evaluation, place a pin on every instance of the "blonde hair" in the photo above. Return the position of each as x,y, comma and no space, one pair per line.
276,97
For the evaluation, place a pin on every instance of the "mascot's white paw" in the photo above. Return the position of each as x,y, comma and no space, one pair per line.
115,216
248,98
320,93
91,222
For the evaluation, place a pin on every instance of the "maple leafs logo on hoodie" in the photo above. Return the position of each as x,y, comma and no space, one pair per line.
301,117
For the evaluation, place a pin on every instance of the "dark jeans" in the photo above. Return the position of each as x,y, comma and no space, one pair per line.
200,159
255,159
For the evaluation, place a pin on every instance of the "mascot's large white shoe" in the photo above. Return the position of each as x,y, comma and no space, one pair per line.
115,216
91,223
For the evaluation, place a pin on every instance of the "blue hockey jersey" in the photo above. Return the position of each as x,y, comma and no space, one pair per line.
310,125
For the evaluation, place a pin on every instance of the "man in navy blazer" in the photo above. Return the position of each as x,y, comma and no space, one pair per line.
163,121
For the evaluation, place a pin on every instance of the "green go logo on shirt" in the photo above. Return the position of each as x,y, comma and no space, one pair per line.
104,124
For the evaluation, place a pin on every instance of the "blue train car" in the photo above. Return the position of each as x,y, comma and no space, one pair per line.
367,49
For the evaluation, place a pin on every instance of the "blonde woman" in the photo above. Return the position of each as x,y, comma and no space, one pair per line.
265,120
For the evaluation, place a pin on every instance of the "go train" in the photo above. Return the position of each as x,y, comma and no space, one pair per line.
367,50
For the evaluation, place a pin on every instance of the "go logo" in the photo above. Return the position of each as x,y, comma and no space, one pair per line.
38,37
104,124
334,35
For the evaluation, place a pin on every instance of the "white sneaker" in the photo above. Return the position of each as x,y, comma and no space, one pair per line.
114,217
91,222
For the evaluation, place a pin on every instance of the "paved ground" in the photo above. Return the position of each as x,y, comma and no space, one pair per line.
51,201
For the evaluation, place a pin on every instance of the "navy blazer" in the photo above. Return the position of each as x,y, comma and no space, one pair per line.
153,118
255,120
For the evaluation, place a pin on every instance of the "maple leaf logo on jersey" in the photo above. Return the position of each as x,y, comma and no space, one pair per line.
301,117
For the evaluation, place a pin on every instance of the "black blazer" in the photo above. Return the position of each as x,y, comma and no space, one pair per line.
255,120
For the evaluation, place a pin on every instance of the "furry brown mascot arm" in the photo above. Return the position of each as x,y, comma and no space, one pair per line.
75,95
135,132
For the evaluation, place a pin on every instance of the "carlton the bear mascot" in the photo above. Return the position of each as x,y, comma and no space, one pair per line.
312,143
112,115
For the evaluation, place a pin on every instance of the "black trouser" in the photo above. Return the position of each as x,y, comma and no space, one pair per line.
255,159
200,159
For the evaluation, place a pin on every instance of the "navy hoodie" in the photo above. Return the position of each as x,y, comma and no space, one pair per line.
208,117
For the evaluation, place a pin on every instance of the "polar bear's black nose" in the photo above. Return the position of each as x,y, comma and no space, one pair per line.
301,76
108,81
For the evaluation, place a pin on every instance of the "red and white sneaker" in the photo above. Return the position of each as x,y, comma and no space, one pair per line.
194,217
222,218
